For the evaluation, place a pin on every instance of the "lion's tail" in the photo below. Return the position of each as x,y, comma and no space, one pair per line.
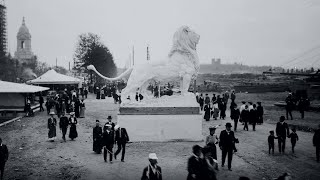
124,75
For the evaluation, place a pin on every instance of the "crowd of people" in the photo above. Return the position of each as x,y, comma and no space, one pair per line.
65,101
203,164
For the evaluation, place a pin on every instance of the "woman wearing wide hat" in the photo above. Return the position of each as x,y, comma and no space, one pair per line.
73,126
52,122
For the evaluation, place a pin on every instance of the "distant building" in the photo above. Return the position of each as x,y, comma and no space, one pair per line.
216,61
24,53
3,29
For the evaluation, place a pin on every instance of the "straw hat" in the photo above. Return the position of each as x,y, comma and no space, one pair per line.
153,156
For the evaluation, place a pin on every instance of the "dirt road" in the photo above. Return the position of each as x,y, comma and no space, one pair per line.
33,157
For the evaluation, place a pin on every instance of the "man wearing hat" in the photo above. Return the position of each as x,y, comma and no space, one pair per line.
63,125
52,122
110,123
289,106
260,113
227,144
195,164
152,171
121,139
97,136
108,141
282,131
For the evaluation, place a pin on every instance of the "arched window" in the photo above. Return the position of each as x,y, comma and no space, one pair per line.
22,45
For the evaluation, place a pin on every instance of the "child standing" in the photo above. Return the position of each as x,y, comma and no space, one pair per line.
271,141
294,138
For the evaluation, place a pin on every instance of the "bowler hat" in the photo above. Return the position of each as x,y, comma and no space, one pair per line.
109,117
228,125
97,120
243,102
212,127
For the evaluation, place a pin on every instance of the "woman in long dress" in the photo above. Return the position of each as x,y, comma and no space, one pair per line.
82,109
207,110
73,126
52,122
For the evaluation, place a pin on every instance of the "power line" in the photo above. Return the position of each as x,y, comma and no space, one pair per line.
301,55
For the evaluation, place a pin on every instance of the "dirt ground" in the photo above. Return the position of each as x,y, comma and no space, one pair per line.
33,157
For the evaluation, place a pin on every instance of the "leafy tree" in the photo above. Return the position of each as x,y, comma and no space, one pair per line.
90,50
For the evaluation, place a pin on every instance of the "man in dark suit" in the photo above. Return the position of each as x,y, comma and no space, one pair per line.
195,164
108,141
41,101
110,123
4,154
63,124
97,136
227,144
121,139
152,171
282,131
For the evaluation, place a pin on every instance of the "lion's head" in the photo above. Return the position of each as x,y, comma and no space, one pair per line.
184,40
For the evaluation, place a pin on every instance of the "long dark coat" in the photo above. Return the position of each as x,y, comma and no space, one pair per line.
52,122
195,166
97,137
207,112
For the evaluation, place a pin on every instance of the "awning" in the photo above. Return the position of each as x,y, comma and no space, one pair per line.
10,87
52,77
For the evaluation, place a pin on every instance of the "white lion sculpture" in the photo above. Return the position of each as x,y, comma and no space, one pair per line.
181,65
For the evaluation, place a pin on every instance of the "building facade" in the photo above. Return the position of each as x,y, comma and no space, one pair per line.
3,29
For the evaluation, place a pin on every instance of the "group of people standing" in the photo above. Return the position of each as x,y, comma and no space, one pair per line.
247,114
64,123
108,91
292,102
65,102
215,106
105,138
203,163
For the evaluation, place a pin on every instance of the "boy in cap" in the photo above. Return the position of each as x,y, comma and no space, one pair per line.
271,138
152,171
294,138
227,144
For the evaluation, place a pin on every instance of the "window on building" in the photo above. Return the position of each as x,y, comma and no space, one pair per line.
22,45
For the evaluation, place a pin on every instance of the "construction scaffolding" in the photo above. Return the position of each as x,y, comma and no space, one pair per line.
3,29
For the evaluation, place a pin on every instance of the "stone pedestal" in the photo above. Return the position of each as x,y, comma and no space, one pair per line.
169,118
162,127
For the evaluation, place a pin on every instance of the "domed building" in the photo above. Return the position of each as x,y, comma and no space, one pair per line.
24,52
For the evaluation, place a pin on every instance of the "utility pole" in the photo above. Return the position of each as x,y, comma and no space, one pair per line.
69,65
148,55
56,62
133,55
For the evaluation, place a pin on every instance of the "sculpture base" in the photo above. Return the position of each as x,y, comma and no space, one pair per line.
160,128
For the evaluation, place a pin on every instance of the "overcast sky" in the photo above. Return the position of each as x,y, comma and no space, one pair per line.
253,32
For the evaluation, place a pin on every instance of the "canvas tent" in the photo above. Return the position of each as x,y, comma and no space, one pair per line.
13,95
52,77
